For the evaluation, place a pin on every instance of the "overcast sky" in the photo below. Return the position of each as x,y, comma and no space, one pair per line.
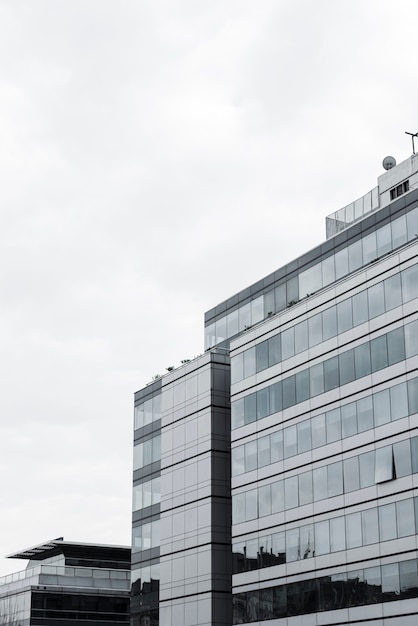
155,158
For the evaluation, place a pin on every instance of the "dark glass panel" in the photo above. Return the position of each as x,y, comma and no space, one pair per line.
396,346
362,360
274,350
262,356
360,308
263,408
275,398
346,366
344,315
408,574
302,386
250,408
331,374
301,337
379,353
289,391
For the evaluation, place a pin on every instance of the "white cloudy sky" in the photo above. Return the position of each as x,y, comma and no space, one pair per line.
156,156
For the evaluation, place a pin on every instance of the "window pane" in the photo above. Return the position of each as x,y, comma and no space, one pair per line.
264,501
276,444
410,283
379,353
250,456
333,424
275,398
355,256
399,232
376,300
362,360
408,573
384,464
402,457
370,526
292,545
328,270
263,449
232,326
288,343
346,363
316,375
277,497
367,469
289,391
341,263
369,248
301,337
384,240
280,297
262,356
251,504
302,386
237,368
263,408
381,407
305,488
322,538
237,413
365,414
315,329
331,374
390,582
304,436
249,362
318,431
329,323
349,419
274,350
353,530
351,475
238,508
344,315
399,401
411,338
320,481
335,479
360,308
396,346
290,442
250,408
405,517
307,547
413,395
337,534
291,492
393,294
387,522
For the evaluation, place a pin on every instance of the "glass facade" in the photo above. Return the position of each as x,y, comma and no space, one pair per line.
368,247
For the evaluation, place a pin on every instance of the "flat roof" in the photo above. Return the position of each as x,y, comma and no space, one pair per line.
59,546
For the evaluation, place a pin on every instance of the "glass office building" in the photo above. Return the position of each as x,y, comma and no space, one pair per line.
324,424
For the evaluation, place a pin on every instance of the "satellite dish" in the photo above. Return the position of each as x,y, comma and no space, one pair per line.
389,162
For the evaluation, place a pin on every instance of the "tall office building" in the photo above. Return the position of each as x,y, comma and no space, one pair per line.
324,427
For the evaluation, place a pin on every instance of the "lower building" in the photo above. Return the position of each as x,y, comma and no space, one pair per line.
67,583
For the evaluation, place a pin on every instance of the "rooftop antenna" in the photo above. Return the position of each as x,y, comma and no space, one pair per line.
412,137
